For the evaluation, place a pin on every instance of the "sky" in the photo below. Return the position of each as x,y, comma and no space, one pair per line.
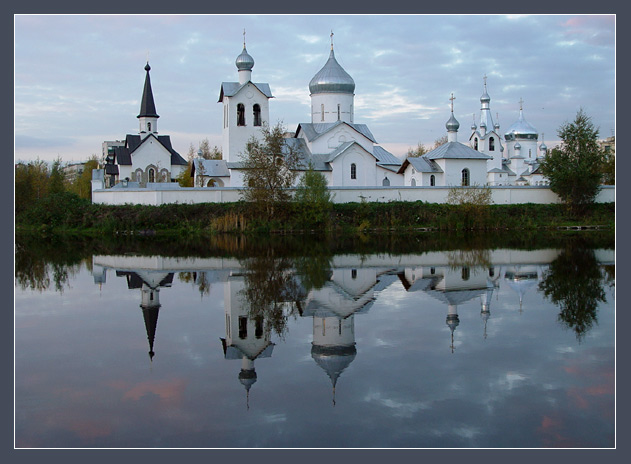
79,78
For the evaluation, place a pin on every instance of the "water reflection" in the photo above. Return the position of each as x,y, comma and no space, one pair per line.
411,334
262,293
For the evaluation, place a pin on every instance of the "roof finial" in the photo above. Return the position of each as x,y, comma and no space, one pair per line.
484,82
331,39
452,101
521,104
244,37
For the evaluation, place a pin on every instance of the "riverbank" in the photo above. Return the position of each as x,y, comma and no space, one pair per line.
66,213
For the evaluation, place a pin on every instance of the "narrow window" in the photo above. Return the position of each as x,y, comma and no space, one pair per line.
491,271
465,177
432,270
353,171
240,115
338,111
475,143
530,153
258,329
152,175
491,144
257,114
354,273
243,327
432,180
413,183
148,127
465,273
322,112
386,182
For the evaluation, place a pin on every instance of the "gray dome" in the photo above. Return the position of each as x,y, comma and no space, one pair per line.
485,97
521,129
452,125
332,78
333,360
244,61
543,147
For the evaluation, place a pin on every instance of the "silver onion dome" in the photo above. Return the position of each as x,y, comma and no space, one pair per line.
332,78
521,129
244,61
452,125
485,97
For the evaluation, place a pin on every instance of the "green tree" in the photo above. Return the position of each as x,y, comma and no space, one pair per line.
208,153
269,170
420,150
82,185
574,170
31,183
472,205
56,179
184,178
313,198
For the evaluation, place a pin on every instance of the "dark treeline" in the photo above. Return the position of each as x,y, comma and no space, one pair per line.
65,211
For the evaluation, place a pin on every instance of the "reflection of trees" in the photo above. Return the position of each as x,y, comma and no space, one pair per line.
470,258
34,271
201,282
272,291
573,282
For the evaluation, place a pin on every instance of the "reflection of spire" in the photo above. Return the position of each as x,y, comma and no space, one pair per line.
247,377
452,322
150,315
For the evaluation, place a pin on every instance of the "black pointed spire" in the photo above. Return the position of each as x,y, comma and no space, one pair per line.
147,106
150,314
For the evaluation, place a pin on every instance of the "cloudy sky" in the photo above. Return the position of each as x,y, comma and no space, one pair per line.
79,79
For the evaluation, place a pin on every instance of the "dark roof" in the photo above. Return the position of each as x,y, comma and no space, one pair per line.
147,105
132,142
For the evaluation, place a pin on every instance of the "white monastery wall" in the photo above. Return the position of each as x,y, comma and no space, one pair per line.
500,195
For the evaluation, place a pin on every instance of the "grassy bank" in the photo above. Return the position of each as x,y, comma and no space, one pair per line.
69,214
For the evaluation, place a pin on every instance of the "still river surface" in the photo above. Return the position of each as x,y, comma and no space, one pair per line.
347,349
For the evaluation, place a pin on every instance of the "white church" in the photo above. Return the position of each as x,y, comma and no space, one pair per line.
344,151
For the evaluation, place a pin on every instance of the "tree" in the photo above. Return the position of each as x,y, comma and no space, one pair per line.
82,185
420,150
208,153
574,170
56,179
31,183
440,141
473,205
313,197
269,169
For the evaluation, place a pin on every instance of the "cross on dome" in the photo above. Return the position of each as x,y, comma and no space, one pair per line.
452,101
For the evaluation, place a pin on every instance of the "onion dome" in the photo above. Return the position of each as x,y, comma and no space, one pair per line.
517,146
247,377
485,96
244,61
543,147
332,78
452,125
521,129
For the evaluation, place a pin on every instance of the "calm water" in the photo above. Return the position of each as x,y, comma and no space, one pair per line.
479,348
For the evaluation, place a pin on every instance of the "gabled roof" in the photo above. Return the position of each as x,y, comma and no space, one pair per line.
455,150
132,142
313,131
343,148
230,89
421,164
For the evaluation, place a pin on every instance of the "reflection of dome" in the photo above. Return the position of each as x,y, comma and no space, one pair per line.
453,321
247,377
332,78
333,359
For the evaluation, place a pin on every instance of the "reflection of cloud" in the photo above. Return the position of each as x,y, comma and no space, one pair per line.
90,429
168,391
397,408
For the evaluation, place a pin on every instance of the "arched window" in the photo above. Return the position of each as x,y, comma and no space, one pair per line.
413,182
386,182
491,144
353,171
475,143
432,180
152,175
211,183
148,127
240,115
257,114
465,177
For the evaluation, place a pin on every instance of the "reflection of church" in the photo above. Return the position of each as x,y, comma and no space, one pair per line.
246,337
353,286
